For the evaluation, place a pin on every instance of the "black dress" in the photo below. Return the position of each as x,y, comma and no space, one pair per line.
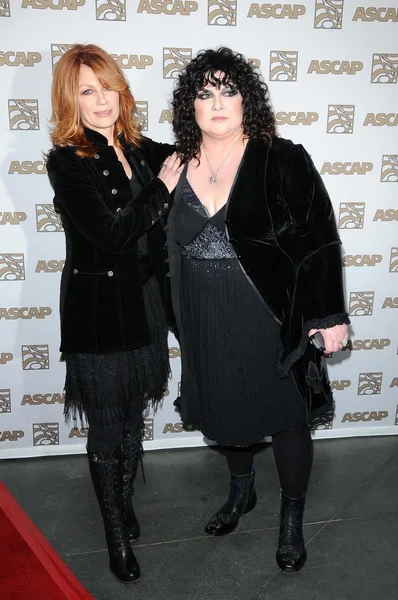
231,336
117,386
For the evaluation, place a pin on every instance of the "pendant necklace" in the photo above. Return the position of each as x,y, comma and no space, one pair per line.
214,174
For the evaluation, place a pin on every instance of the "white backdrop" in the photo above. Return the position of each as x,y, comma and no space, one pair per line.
332,66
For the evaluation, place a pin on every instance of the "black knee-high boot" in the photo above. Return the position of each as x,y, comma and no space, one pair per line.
132,452
107,477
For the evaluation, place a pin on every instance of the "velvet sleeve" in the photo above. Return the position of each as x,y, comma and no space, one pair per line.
79,198
156,153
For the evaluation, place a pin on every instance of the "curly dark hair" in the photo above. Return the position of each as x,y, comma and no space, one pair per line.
258,117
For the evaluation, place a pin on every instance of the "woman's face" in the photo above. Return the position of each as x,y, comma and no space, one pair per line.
99,106
219,111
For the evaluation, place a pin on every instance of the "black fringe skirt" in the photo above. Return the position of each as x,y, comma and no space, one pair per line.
105,389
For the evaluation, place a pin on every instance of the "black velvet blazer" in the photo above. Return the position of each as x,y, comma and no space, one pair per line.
101,301
281,224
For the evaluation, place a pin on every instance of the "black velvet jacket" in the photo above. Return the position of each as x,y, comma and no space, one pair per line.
101,302
281,224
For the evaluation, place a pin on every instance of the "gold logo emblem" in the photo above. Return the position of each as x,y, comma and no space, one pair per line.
5,8
23,114
5,401
174,61
110,10
361,304
384,68
45,434
394,260
283,65
389,168
352,215
148,431
141,113
396,416
221,12
328,14
369,383
323,426
57,50
12,267
47,220
35,357
340,118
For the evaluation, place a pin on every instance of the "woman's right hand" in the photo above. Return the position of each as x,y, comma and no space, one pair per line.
170,171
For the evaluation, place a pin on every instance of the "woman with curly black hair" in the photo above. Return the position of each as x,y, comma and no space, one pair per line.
255,271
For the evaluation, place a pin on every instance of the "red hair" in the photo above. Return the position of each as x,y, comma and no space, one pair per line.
68,129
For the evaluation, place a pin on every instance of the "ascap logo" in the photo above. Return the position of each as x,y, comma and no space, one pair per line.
12,218
35,357
5,401
148,430
283,65
81,433
390,303
394,382
394,260
23,114
53,4
396,416
167,7
45,434
174,352
389,168
372,13
141,113
340,385
346,168
374,415
174,61
221,12
178,428
27,167
110,10
296,118
368,344
340,118
50,266
39,399
255,62
5,8
391,214
166,116
33,312
361,304
12,267
380,119
128,61
322,426
369,384
16,59
11,436
384,68
47,220
5,357
276,11
362,260
335,67
352,215
328,14
57,50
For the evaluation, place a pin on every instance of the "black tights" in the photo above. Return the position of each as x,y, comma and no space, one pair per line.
293,457
104,437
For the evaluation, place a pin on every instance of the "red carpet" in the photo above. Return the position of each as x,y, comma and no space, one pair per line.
29,568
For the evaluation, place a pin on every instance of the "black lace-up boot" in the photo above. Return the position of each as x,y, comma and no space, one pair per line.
241,500
291,554
107,477
132,453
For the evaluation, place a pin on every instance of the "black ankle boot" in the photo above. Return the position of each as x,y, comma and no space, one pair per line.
107,477
241,500
132,452
291,554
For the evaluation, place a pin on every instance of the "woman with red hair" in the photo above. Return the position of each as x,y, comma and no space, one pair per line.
113,325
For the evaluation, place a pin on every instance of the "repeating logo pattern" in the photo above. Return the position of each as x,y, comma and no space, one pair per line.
148,430
340,118
222,12
23,114
369,383
384,68
45,434
174,61
12,267
142,114
394,260
35,357
396,416
361,304
283,65
5,8
352,215
110,10
57,50
47,220
5,401
328,14
389,168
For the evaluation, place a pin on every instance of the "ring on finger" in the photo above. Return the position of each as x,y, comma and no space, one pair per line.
164,165
344,342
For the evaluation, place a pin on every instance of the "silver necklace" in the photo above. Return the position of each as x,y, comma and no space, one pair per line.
214,174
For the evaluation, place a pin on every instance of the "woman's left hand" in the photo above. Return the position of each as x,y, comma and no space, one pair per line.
336,337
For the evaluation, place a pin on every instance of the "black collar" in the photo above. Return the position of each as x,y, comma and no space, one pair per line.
98,139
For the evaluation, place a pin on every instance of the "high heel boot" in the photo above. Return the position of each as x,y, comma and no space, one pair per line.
291,554
107,477
132,452
241,500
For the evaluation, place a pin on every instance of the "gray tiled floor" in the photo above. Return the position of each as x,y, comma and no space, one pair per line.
351,525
